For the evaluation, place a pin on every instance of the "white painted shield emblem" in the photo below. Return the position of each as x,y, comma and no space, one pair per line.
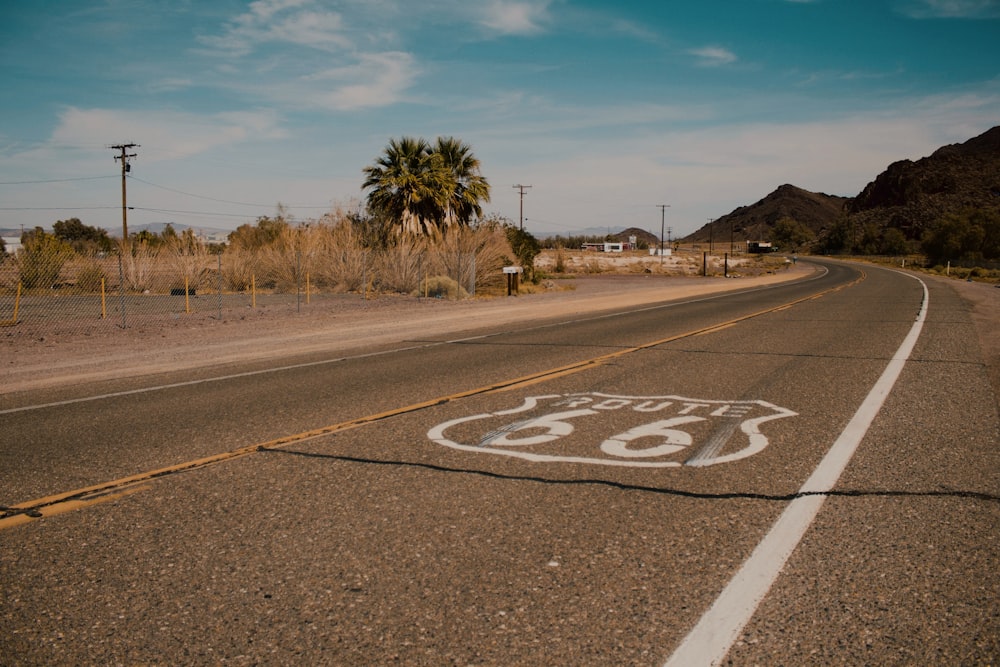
604,429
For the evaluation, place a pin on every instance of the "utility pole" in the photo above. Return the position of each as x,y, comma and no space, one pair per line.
711,244
663,217
126,167
522,189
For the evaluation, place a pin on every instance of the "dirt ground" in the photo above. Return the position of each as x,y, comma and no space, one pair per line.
984,300
57,359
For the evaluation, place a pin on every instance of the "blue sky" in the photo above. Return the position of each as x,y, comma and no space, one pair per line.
607,108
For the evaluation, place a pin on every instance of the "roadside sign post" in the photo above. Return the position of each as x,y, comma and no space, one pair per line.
512,273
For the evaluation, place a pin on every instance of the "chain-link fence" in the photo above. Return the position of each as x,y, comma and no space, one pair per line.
51,287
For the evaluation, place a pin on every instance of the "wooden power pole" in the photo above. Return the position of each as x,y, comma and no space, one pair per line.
125,155
522,189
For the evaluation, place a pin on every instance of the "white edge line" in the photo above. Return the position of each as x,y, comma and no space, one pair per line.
714,634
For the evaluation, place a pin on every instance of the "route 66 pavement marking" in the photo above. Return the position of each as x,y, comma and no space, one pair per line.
667,431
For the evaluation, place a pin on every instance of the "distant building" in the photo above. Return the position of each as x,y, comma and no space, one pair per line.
215,236
760,247
12,244
608,246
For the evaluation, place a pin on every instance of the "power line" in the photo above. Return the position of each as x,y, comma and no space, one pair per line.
223,201
56,180
56,208
201,213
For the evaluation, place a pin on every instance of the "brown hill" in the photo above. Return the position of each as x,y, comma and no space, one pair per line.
815,210
642,236
911,195
908,196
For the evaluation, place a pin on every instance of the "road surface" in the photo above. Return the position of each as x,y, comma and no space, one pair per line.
801,474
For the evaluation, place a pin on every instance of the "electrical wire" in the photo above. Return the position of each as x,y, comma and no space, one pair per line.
223,201
182,212
58,180
59,208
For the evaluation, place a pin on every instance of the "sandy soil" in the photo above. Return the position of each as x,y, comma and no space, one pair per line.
984,300
49,359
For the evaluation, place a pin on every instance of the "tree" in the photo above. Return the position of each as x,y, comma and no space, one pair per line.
42,258
971,234
406,185
267,231
169,234
790,233
893,242
424,189
836,239
81,237
525,247
468,186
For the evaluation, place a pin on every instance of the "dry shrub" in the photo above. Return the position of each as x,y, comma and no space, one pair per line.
239,267
138,265
284,262
340,262
89,276
400,266
187,260
441,287
560,266
475,256
642,267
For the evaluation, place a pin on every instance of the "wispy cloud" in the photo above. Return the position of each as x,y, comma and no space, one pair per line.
377,79
166,134
713,56
330,71
510,17
951,9
296,22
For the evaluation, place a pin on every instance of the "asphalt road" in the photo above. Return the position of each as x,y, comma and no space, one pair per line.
588,492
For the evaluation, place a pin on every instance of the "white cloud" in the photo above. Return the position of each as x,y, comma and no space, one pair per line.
956,9
515,18
298,22
165,134
377,79
329,73
713,56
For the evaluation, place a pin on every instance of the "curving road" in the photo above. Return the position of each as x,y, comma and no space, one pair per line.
802,474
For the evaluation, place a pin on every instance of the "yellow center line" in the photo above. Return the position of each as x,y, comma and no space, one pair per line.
27,511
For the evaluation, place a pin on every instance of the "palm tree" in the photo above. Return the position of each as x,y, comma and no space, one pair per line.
469,187
402,183
426,188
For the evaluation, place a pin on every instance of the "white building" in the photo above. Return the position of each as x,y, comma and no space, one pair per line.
12,244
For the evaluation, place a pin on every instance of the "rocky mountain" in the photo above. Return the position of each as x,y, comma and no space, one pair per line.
911,195
815,210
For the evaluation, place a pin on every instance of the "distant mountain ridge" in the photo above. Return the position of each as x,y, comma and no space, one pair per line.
815,210
908,196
